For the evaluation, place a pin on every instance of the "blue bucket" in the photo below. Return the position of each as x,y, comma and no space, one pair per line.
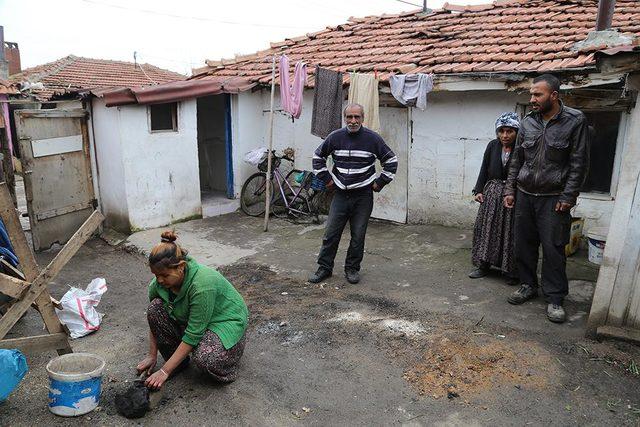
75,381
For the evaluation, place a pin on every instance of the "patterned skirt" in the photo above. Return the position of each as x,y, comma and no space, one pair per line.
493,231
209,356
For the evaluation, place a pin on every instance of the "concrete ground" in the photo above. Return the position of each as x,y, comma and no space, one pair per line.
415,343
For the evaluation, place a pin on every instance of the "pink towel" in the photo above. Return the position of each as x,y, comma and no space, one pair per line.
291,95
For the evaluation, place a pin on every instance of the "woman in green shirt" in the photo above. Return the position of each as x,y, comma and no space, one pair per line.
194,311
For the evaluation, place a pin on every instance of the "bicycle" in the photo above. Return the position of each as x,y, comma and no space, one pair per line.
292,195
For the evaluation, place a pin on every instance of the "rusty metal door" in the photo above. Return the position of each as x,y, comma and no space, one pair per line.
54,146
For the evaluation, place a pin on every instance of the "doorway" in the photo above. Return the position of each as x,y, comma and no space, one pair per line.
214,155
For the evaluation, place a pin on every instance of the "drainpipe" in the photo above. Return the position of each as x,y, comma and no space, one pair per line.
605,14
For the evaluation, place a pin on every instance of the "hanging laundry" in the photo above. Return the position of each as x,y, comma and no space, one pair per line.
291,95
411,89
327,102
363,90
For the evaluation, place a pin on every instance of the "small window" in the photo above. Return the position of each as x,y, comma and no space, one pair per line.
163,117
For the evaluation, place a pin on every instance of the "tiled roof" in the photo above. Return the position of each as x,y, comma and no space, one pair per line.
504,37
8,88
72,74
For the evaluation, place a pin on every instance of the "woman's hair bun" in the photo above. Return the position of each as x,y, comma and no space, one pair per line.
168,236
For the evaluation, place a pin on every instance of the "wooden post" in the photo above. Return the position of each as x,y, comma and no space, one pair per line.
268,177
7,162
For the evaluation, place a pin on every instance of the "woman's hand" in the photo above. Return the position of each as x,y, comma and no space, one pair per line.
479,198
156,380
147,365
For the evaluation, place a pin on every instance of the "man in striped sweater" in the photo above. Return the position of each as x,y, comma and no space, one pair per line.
354,150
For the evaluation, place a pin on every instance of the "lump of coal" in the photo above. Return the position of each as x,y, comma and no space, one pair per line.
134,402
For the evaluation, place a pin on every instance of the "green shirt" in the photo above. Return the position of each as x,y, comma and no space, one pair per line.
206,301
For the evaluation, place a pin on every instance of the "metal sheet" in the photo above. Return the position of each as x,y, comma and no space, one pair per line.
391,202
59,145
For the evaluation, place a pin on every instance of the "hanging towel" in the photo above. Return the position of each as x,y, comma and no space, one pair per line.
327,102
363,90
291,95
411,89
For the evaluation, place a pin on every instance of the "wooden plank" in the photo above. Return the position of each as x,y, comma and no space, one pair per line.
37,343
49,273
626,334
14,271
75,112
18,239
64,210
13,287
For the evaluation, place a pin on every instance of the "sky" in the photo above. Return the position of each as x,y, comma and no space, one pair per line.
177,35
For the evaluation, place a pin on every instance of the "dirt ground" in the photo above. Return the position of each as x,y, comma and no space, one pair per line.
415,343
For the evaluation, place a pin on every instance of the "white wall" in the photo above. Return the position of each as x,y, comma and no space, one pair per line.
250,126
109,159
151,179
161,168
449,139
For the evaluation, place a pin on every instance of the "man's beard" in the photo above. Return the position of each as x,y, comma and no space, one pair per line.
545,107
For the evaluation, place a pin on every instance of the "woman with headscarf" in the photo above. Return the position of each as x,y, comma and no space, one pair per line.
493,230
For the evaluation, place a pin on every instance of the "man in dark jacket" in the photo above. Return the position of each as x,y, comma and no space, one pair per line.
354,150
548,168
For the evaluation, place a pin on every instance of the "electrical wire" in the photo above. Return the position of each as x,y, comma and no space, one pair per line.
408,2
195,18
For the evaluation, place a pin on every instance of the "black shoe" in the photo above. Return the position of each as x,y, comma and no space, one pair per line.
319,275
525,293
352,276
478,273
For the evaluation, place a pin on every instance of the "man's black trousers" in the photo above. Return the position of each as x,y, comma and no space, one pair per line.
538,223
354,207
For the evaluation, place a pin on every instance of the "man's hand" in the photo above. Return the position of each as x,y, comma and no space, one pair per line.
479,198
376,187
563,207
330,185
509,202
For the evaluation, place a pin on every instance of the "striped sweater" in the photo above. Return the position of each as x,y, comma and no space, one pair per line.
354,156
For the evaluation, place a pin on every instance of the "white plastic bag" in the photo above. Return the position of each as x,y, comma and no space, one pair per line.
255,157
79,308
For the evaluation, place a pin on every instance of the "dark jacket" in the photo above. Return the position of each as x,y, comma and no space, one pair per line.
551,160
492,167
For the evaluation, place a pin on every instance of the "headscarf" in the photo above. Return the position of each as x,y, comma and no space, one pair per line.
508,119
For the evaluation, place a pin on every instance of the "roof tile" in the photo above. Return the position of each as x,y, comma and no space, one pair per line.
506,36
74,74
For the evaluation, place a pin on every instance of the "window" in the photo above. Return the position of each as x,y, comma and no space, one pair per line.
163,117
604,127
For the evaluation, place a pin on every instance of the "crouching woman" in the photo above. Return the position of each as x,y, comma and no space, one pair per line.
194,312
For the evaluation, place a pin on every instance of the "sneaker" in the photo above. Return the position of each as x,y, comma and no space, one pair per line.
319,275
478,273
352,276
555,313
525,293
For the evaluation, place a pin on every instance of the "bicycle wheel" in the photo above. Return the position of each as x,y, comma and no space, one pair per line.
252,195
